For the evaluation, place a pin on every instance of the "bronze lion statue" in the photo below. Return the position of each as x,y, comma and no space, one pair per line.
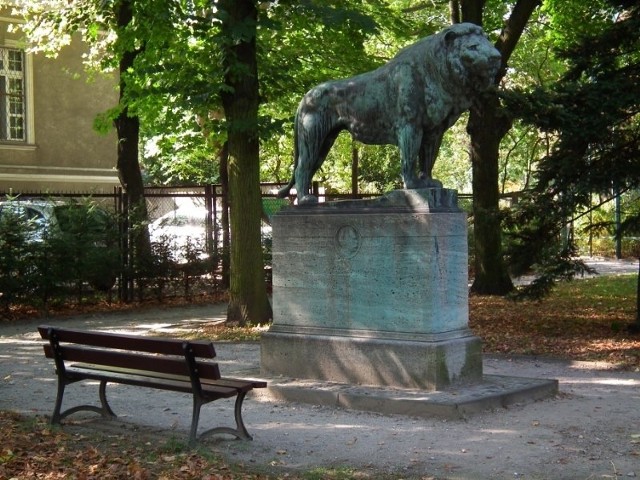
408,102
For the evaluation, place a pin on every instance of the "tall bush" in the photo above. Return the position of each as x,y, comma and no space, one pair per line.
14,259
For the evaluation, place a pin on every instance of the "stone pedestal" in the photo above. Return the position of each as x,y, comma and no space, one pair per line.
373,292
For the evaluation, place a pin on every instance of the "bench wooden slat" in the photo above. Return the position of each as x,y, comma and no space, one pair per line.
167,346
147,373
141,380
137,361
242,385
236,384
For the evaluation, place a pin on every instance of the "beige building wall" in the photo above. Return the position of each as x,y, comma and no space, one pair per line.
62,153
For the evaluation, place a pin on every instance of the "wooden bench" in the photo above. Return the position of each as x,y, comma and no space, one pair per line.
161,363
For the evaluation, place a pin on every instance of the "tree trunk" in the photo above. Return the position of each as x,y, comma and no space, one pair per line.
471,11
128,166
487,127
248,301
454,11
128,127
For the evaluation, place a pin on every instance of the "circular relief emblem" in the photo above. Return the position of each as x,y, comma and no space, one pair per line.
348,241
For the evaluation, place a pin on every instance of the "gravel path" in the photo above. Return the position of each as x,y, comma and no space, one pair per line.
590,430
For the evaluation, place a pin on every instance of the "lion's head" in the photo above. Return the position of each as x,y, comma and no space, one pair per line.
473,61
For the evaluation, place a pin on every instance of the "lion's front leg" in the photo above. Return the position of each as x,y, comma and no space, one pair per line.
428,153
409,141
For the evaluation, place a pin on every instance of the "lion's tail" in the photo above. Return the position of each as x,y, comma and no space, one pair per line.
284,191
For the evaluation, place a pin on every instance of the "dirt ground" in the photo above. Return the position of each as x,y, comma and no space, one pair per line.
590,430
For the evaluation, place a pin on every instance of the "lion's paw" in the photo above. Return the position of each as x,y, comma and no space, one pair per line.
423,182
432,183
308,200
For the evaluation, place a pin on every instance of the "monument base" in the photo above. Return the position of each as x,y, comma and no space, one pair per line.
373,292
426,362
491,393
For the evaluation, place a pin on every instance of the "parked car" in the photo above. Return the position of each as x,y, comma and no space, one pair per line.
186,226
81,226
182,231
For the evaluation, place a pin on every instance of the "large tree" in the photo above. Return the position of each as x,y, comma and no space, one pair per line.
248,302
487,126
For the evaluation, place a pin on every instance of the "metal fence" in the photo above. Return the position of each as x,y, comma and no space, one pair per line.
196,211
197,214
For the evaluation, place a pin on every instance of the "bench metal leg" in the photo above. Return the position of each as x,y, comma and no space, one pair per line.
55,416
195,416
244,434
104,409
240,432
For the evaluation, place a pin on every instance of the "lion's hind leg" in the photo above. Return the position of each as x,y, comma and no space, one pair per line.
303,181
428,153
315,140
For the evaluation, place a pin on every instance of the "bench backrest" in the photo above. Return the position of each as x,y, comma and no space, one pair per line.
161,355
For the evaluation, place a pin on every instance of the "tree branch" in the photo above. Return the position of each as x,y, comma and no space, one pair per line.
416,8
513,29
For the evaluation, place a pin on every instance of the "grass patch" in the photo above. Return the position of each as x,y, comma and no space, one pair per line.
222,333
580,320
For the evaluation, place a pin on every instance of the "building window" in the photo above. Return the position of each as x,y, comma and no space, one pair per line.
12,95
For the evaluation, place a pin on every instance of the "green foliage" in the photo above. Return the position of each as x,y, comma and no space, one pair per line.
93,231
594,111
14,259
379,169
43,260
570,20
